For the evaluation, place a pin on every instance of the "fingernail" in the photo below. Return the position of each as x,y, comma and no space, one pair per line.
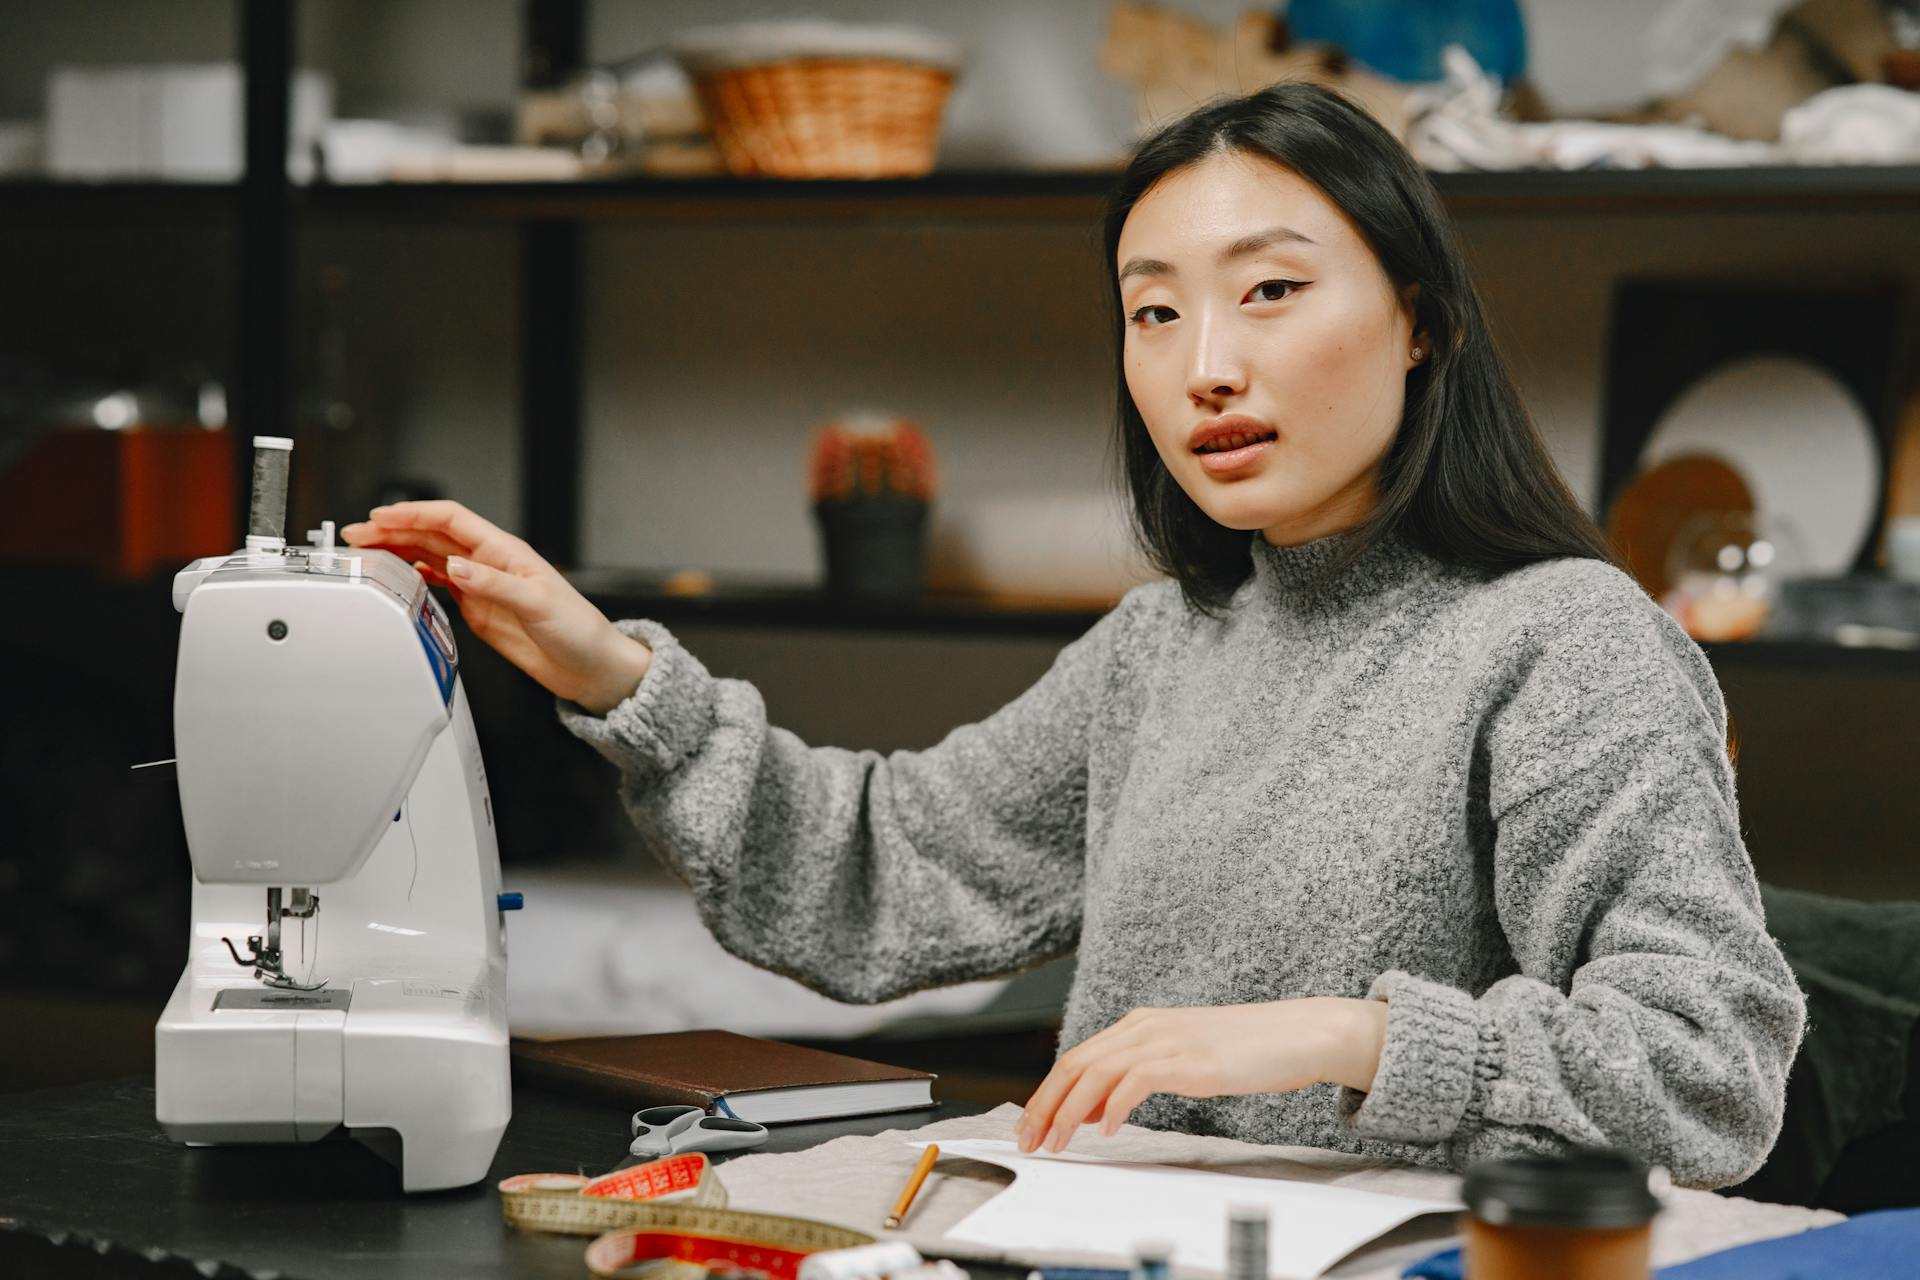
458,567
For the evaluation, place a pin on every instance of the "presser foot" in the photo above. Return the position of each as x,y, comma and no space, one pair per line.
265,963
265,958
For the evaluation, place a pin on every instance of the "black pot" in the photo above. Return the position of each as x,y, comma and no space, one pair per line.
874,547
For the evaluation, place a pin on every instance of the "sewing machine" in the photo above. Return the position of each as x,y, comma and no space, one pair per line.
347,964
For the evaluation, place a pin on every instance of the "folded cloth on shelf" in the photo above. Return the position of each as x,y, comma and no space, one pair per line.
1872,1246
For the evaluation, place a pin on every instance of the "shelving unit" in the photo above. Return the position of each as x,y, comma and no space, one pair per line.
552,220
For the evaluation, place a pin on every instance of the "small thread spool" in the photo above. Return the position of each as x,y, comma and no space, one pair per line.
267,511
1247,1242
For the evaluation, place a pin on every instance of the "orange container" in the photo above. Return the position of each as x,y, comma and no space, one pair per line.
124,504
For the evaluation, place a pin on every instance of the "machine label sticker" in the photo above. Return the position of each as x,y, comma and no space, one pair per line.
440,659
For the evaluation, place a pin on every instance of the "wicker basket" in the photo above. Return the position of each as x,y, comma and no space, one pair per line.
821,100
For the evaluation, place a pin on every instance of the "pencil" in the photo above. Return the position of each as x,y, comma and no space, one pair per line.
919,1176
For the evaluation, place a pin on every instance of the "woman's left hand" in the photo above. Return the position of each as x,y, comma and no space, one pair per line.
1204,1053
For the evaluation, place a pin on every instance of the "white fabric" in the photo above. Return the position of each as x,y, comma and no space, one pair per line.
594,953
853,1181
1456,125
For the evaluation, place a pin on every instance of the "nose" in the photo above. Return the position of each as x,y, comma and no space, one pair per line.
1216,372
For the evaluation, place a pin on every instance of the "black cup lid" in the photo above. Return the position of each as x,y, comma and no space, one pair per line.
1583,1188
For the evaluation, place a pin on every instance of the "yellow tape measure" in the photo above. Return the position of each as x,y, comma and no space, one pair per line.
666,1211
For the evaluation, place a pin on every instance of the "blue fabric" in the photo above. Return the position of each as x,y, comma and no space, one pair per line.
1872,1246
1444,1265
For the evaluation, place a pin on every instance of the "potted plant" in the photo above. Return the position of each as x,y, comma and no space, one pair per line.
872,481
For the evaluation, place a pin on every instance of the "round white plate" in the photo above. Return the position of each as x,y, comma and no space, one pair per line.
1798,437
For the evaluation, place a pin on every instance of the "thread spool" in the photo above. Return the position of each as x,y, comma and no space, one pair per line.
267,510
1247,1242
864,1262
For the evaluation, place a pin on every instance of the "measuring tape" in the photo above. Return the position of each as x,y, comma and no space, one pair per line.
666,1211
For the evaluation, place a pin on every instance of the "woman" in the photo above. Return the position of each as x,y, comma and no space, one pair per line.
1397,821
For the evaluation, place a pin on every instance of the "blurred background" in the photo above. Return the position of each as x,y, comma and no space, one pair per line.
789,331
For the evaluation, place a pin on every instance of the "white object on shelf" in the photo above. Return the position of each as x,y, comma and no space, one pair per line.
94,122
1854,124
373,150
467,163
169,120
1456,124
1797,436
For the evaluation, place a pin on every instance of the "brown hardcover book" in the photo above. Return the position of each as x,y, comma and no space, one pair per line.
761,1080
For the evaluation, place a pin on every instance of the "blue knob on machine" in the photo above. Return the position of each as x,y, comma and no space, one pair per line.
511,902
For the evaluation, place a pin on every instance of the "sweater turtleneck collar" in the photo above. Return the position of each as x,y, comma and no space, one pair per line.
1292,577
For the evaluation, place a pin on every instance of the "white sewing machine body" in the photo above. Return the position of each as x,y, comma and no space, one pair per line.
324,745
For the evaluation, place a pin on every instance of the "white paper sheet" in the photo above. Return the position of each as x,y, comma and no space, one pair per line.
1084,1203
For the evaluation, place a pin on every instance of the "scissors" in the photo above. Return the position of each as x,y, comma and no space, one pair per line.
666,1131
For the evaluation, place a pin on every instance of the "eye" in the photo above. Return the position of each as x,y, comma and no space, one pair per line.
1289,285
1135,316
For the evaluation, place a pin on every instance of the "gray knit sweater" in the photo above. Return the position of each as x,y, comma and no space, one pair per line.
1501,803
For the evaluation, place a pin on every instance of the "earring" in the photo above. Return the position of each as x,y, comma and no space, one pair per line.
1416,353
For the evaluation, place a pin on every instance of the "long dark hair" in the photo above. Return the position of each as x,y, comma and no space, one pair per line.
1467,478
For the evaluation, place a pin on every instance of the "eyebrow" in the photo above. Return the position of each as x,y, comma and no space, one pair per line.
1238,249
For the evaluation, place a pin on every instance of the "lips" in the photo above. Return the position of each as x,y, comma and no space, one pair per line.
1238,440
1228,433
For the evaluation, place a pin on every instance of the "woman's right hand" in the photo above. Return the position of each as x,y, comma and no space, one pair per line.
513,599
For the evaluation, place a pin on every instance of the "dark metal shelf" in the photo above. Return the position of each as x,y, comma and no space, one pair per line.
1762,189
45,202
959,194
967,195
792,606
807,608
1011,195
1817,656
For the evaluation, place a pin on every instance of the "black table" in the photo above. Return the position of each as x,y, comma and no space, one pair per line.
91,1186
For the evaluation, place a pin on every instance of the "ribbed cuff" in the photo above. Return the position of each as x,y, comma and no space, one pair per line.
1425,1081
663,721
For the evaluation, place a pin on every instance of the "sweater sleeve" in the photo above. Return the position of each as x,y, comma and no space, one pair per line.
1650,1010
867,876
